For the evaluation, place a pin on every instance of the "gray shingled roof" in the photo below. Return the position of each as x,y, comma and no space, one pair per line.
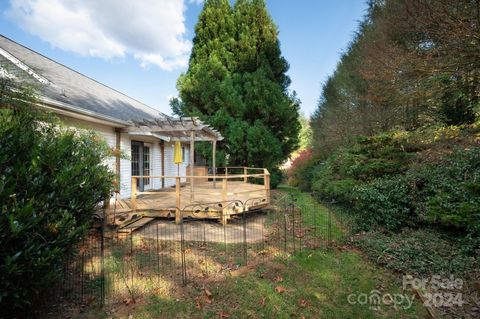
75,89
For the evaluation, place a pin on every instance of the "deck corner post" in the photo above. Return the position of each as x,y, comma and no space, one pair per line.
266,181
192,162
133,195
178,213
245,174
214,164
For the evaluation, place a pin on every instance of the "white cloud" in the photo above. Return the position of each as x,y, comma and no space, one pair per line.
152,31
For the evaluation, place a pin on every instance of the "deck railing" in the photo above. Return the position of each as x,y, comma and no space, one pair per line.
249,174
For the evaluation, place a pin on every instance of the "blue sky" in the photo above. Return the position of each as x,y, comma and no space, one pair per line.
141,47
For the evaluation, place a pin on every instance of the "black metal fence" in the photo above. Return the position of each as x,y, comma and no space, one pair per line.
113,266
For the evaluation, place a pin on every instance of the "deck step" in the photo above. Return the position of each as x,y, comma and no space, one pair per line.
135,224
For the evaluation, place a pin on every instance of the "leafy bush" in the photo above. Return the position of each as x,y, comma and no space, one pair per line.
51,180
448,193
384,203
368,159
422,252
387,183
300,172
276,177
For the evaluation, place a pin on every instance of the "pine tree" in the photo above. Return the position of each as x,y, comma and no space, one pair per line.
237,82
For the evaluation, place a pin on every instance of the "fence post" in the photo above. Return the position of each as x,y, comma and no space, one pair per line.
182,248
244,236
178,214
133,196
224,200
245,180
329,228
102,262
158,256
285,226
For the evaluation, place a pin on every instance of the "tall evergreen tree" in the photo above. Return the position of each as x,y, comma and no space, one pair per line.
237,82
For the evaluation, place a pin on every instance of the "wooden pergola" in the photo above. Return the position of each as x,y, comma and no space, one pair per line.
243,187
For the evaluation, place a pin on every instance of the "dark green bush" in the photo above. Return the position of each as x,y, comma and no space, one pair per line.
445,194
276,177
378,180
448,193
51,181
383,203
418,251
368,159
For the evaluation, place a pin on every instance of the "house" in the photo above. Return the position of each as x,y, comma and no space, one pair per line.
145,135
124,122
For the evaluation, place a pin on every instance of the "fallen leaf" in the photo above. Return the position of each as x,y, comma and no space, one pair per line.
208,293
280,289
198,304
128,301
262,301
223,314
279,279
302,303
208,296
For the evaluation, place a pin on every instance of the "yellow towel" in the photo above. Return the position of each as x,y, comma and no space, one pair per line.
177,153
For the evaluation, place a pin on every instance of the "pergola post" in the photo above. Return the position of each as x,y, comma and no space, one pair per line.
192,160
214,168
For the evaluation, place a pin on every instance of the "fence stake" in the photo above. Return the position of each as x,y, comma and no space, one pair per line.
182,246
133,196
285,227
177,196
224,199
244,236
102,261
131,255
292,208
329,228
158,256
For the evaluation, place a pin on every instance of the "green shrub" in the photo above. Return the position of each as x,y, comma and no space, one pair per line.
51,180
276,177
300,173
383,203
448,193
368,159
418,251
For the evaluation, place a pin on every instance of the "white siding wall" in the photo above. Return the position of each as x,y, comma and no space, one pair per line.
156,165
108,133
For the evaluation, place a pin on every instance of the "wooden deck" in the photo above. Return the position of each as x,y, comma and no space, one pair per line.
204,193
228,196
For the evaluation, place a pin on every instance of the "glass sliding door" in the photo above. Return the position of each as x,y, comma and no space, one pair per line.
146,164
141,163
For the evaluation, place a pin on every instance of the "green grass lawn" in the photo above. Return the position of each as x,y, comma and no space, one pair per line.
308,284
315,214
